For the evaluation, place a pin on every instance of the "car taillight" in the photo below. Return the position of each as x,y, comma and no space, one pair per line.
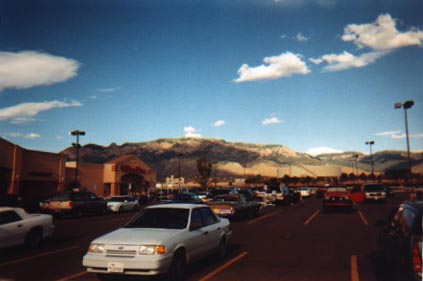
71,204
417,259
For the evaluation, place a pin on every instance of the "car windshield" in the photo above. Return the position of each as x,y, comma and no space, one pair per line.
118,199
336,189
61,197
373,187
165,218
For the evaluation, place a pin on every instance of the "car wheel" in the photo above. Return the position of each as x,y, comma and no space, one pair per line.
177,268
222,249
34,238
120,209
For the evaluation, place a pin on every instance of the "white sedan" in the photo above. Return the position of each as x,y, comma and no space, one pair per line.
305,191
122,203
161,239
18,227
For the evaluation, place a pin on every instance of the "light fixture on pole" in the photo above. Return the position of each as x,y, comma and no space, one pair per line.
77,133
406,105
370,143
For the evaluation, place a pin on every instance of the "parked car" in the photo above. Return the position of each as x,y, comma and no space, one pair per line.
374,192
278,195
161,239
321,191
295,196
74,203
305,191
235,206
184,197
337,197
401,242
356,194
18,227
122,203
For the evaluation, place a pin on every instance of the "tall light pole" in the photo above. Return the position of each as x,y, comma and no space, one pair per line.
406,105
370,143
77,133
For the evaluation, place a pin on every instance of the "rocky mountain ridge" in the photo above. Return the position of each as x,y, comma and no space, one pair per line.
236,159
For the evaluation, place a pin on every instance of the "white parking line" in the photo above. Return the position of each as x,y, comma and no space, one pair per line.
354,269
362,217
264,217
221,268
312,217
37,256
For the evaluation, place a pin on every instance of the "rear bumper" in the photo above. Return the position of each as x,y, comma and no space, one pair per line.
337,204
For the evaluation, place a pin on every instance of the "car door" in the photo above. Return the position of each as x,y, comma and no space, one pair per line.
211,228
12,229
195,242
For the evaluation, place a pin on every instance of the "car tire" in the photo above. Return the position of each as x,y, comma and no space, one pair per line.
177,268
222,249
120,209
34,238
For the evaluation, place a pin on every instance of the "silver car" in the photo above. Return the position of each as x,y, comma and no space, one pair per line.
374,192
161,239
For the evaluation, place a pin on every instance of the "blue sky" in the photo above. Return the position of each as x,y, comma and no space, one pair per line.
313,75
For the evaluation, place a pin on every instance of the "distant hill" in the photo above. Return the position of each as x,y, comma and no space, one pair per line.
240,159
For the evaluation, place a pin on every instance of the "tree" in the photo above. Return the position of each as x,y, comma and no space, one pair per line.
204,168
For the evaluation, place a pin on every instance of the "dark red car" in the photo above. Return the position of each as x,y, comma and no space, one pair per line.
337,197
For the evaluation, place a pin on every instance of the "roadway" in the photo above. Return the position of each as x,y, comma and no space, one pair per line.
293,243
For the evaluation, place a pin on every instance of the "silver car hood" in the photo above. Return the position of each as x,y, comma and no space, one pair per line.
136,236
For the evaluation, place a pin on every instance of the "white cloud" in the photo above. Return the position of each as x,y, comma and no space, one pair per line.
397,135
108,90
190,132
382,35
284,65
347,60
219,123
28,69
26,136
301,38
322,150
25,112
271,120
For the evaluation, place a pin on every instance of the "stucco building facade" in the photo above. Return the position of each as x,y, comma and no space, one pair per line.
35,175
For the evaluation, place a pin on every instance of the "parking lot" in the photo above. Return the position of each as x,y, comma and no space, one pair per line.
294,242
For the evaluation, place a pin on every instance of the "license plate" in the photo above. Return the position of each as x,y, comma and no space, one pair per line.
116,267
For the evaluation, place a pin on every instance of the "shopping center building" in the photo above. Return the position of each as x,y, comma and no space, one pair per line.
36,175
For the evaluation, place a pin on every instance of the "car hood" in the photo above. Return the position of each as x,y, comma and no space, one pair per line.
131,236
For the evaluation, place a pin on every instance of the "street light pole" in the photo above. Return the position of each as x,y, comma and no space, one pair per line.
406,105
370,143
77,133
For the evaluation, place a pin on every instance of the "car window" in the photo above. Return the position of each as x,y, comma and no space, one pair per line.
196,218
9,217
207,216
373,188
166,218
406,221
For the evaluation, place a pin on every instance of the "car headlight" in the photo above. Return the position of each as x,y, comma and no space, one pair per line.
152,250
96,248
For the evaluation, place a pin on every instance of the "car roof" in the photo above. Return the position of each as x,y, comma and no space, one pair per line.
416,204
17,209
177,206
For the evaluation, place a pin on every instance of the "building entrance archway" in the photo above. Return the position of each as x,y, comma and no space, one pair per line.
133,184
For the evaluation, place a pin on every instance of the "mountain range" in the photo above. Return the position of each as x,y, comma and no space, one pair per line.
235,159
